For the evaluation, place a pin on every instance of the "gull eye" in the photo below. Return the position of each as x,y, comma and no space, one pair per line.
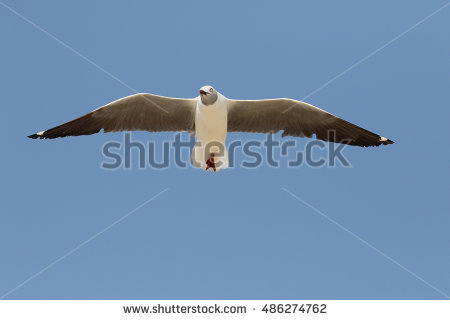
211,90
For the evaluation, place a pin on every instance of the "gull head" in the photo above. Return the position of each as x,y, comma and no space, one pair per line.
208,95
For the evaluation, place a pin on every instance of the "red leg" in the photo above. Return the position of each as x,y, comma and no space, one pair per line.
210,162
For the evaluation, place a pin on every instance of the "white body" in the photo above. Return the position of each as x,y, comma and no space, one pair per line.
211,131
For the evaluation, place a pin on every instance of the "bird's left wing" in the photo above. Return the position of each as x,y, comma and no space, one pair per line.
298,119
141,111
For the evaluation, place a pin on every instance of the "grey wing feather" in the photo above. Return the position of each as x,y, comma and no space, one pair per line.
298,119
141,111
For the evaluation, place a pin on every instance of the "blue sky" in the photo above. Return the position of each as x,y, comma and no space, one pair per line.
235,234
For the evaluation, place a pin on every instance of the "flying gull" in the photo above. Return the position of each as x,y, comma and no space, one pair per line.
210,116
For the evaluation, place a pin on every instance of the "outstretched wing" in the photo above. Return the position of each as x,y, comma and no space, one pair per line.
298,119
141,111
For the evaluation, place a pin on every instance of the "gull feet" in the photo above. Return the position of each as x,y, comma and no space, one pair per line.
210,162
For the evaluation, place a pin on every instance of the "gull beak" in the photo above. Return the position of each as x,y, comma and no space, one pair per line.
203,92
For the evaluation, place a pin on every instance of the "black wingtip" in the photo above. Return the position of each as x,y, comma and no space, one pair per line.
386,141
35,136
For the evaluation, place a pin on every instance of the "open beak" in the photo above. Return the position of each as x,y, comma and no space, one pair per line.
203,92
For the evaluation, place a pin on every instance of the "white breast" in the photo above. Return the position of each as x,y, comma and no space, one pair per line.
211,120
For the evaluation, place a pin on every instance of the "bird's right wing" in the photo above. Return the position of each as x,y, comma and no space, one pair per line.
141,111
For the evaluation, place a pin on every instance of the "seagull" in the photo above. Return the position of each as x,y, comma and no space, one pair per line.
210,116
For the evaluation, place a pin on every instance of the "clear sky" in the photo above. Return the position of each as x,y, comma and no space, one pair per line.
235,234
